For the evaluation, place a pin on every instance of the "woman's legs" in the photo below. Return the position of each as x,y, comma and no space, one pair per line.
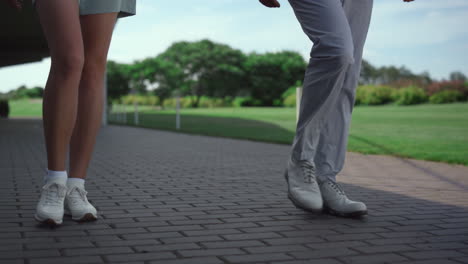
61,25
97,34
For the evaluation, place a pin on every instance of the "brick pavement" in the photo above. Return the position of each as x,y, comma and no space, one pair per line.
174,198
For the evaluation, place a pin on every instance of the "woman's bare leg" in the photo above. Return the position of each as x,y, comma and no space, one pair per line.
61,25
97,34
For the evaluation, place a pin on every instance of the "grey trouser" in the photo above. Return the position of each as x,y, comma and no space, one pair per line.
338,29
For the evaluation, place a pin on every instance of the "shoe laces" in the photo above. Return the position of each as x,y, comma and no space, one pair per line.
336,187
309,172
77,194
54,193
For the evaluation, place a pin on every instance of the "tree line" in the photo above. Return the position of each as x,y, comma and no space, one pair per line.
206,68
209,69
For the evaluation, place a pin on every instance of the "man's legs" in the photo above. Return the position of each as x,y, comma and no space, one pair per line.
330,156
338,29
325,23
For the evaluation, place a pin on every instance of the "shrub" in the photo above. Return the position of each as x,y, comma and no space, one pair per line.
444,97
290,100
409,96
185,102
209,102
459,86
140,99
4,109
289,96
151,100
238,101
289,92
250,101
373,95
405,82
277,102
169,103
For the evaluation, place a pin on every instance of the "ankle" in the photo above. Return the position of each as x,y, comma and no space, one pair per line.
78,182
56,176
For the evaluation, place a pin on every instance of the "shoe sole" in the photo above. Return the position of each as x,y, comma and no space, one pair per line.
296,203
89,217
356,214
48,221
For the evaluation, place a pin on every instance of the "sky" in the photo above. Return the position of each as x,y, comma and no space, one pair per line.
425,35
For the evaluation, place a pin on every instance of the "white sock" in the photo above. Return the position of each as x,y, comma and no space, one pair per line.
58,176
76,182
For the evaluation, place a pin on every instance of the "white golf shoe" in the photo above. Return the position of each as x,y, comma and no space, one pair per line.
303,189
77,204
49,209
337,203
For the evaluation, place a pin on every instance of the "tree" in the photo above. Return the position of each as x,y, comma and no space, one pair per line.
138,81
368,73
25,92
35,92
271,74
208,68
118,80
162,75
391,75
457,76
20,92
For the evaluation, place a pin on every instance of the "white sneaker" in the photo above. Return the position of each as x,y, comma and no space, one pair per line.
337,203
49,209
303,189
78,206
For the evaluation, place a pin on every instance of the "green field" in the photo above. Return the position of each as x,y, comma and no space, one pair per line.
429,132
26,108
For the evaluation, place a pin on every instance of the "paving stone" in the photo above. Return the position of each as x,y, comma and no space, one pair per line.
169,247
323,253
234,244
251,236
29,254
96,251
174,198
433,254
315,261
255,258
139,256
434,261
71,260
277,249
377,258
204,260
210,252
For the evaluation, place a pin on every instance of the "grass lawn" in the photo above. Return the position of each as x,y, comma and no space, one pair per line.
26,108
429,132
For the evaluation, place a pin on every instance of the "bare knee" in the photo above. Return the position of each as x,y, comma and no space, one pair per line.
69,65
94,68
